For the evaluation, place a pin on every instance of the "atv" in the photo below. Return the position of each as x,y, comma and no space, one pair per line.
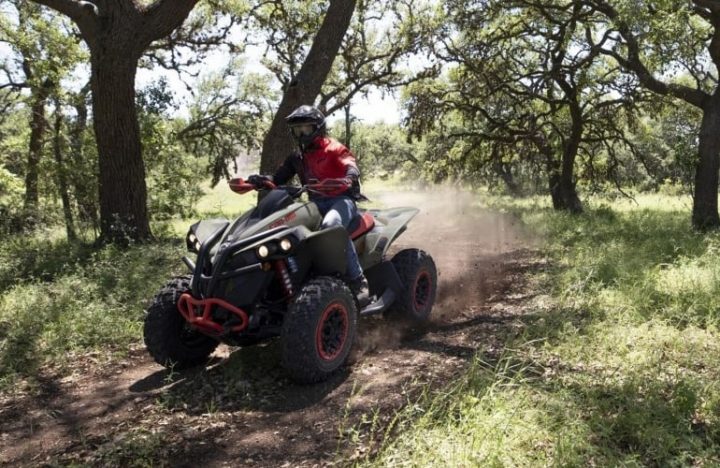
274,273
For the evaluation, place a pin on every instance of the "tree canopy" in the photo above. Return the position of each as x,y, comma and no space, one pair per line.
563,97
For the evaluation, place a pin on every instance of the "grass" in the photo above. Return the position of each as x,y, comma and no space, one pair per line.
618,363
90,300
59,299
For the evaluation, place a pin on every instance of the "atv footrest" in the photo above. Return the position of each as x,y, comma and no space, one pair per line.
198,313
380,305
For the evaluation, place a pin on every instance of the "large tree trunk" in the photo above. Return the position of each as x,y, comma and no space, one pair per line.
38,127
705,206
62,176
306,86
123,192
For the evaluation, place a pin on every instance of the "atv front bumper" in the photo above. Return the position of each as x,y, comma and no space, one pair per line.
198,313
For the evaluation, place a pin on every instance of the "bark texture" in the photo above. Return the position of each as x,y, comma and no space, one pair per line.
705,206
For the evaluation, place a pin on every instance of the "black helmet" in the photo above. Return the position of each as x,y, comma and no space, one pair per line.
306,123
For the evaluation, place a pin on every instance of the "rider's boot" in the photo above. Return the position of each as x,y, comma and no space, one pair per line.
360,288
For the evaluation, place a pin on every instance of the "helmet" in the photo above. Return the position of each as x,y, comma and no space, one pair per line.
306,123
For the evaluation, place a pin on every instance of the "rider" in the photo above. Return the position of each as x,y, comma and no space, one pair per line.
319,158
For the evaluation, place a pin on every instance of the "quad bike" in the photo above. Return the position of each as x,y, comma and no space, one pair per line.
273,272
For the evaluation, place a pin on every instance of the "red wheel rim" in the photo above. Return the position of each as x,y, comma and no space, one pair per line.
422,290
332,331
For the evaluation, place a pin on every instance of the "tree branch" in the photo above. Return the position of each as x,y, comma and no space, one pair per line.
84,14
162,17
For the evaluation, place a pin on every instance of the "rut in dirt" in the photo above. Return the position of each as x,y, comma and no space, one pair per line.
243,411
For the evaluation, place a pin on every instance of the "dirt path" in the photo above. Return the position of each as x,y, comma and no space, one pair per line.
242,411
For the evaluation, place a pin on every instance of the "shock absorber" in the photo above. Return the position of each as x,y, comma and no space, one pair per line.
284,276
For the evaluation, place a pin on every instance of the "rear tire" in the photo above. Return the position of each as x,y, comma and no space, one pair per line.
418,274
168,337
319,330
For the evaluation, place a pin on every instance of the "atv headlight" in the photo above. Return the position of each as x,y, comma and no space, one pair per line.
263,251
193,243
286,245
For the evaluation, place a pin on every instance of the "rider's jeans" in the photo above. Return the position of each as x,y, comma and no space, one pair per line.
340,211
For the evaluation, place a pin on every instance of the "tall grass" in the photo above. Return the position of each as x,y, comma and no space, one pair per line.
617,364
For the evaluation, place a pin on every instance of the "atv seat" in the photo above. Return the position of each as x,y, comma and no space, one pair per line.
362,224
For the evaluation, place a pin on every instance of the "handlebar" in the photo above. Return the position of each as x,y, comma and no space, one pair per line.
242,187
327,187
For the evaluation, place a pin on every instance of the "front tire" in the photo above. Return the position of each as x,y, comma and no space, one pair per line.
319,330
418,274
168,337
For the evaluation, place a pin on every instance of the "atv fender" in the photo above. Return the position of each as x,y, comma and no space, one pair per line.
204,229
389,224
328,250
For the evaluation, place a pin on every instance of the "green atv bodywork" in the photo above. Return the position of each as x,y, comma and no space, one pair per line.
273,272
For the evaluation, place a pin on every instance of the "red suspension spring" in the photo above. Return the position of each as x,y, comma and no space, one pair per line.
284,276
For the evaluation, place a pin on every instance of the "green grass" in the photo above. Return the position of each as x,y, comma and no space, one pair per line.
59,300
91,300
618,363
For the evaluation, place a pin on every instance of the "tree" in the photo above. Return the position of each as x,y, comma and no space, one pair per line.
525,84
117,34
230,115
661,43
45,53
374,54
305,86
61,172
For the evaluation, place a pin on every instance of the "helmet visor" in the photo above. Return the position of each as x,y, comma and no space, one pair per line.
302,130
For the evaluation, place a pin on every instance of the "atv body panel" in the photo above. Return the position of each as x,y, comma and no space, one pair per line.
241,262
389,224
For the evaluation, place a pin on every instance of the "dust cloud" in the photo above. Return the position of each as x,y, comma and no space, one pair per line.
469,244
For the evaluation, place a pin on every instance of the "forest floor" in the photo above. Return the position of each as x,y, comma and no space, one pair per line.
242,411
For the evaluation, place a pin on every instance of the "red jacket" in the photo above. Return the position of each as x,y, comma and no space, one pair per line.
326,158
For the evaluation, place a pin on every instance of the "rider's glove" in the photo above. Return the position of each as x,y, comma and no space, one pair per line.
259,180
354,183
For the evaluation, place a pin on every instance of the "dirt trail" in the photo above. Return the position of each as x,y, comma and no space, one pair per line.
242,411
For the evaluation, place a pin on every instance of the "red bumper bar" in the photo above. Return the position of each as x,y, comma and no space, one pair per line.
187,305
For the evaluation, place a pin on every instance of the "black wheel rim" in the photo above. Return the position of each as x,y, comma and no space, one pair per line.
423,290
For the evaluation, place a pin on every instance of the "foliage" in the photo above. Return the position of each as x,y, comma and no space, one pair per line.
171,173
229,116
375,52
382,150
11,190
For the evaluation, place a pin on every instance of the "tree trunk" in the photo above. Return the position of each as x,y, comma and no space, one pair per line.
348,126
38,127
504,171
565,195
560,174
306,86
84,184
123,192
62,176
705,206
